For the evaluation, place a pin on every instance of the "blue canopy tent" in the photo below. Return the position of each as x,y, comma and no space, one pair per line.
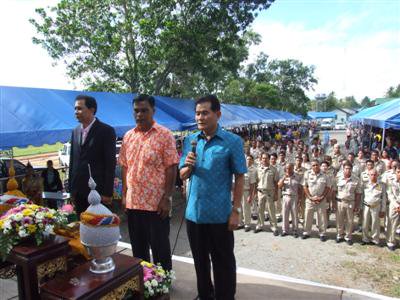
386,115
31,116
321,114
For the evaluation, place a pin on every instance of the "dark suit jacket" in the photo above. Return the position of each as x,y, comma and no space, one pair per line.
54,186
98,151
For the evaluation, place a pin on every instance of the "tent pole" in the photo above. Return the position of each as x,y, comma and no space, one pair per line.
383,138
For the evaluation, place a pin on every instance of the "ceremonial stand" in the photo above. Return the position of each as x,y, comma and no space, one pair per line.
82,284
34,263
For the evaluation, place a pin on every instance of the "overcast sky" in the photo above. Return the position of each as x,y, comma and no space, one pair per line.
354,44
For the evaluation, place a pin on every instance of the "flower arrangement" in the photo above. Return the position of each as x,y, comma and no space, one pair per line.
157,281
27,220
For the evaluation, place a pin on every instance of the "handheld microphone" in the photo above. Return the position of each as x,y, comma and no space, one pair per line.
194,146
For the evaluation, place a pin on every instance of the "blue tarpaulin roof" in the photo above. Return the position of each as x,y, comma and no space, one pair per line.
385,115
33,116
321,114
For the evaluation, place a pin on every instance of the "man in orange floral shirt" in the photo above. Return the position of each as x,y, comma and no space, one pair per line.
148,158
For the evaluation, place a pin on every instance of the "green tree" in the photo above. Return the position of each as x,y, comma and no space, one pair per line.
165,47
366,102
292,78
331,102
393,92
349,102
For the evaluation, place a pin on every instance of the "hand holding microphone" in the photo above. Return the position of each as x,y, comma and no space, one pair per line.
190,160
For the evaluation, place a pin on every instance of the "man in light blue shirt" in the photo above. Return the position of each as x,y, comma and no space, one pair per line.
211,157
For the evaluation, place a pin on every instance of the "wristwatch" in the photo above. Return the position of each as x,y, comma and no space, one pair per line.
237,209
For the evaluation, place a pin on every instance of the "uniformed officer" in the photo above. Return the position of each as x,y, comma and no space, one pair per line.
280,166
316,189
349,189
374,208
378,164
364,177
267,179
289,184
337,157
394,210
299,170
290,152
361,160
330,174
250,179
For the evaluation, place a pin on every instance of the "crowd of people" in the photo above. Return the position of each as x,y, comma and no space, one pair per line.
293,175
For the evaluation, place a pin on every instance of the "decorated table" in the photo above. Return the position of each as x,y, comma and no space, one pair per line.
35,263
81,284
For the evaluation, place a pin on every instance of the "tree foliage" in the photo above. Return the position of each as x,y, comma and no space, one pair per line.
278,84
366,102
393,92
163,47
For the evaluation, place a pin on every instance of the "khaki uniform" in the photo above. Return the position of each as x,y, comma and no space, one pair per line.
380,167
346,193
267,177
393,192
289,202
280,166
361,164
290,156
255,152
337,161
249,178
301,207
374,203
316,184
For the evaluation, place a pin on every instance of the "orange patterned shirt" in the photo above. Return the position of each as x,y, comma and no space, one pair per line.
146,156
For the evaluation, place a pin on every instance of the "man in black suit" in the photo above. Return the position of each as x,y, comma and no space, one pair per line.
92,142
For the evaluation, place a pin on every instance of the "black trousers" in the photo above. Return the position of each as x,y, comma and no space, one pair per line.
217,242
80,200
147,230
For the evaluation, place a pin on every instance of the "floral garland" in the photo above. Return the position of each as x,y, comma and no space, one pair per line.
27,220
90,219
156,280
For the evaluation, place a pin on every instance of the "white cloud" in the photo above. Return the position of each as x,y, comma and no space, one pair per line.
359,65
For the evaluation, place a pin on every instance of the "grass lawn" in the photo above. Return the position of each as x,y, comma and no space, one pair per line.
31,150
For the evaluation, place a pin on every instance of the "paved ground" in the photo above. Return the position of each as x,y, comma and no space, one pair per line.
326,263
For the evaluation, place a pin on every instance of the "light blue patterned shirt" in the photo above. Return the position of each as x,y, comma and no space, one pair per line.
209,190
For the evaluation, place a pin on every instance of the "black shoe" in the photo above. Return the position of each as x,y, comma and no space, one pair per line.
295,235
339,240
240,227
278,219
254,217
284,233
276,233
257,230
305,236
349,242
247,228
322,238
266,218
391,248
363,243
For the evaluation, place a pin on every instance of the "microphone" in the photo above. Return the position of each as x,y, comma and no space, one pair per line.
194,146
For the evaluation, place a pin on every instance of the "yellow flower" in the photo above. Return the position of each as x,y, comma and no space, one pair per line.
49,215
31,228
27,212
32,206
146,264
1,223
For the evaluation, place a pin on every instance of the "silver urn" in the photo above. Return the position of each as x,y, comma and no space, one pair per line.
99,232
